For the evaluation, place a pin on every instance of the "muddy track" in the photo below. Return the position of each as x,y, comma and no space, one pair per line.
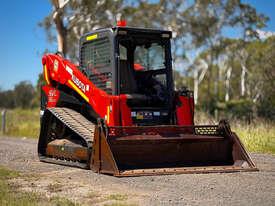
86,187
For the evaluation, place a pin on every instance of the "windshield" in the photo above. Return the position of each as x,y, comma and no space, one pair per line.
142,68
150,56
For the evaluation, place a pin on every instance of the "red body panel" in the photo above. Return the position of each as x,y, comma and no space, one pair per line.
125,113
52,94
185,112
113,109
64,72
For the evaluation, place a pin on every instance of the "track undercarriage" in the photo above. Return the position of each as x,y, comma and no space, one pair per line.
67,138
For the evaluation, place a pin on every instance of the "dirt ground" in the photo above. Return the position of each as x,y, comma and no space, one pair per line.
88,188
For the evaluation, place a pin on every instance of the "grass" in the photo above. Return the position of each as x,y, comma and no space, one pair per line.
120,200
11,196
22,123
119,204
58,201
257,137
54,187
118,197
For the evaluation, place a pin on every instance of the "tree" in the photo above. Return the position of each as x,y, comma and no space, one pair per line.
7,99
23,94
75,19
252,91
261,76
40,82
207,19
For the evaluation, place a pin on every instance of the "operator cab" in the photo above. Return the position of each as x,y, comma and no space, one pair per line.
135,62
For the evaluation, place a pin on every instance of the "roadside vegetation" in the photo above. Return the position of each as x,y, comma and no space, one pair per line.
11,196
22,123
257,137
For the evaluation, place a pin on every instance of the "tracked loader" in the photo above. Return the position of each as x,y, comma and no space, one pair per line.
117,111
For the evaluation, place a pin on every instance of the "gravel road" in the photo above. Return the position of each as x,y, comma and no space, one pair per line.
86,187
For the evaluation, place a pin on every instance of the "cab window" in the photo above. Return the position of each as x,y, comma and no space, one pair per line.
96,61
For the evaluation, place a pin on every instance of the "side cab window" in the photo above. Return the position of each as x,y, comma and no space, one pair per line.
95,58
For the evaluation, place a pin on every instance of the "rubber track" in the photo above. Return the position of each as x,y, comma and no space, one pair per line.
76,122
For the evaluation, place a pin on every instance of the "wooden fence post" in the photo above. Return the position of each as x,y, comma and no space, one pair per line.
3,126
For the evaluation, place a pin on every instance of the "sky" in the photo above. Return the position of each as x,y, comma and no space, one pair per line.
22,41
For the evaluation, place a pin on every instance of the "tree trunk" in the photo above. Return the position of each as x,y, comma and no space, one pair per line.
198,78
210,80
60,28
220,78
196,85
227,84
243,90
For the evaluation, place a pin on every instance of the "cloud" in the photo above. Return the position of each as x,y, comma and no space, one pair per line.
265,34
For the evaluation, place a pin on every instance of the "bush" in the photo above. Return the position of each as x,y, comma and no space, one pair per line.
236,109
265,108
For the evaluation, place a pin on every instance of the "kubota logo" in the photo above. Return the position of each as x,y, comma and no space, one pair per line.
78,83
75,80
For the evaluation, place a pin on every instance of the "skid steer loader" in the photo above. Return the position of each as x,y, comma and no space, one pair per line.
117,112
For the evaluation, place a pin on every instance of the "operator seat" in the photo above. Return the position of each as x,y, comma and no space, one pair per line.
128,84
